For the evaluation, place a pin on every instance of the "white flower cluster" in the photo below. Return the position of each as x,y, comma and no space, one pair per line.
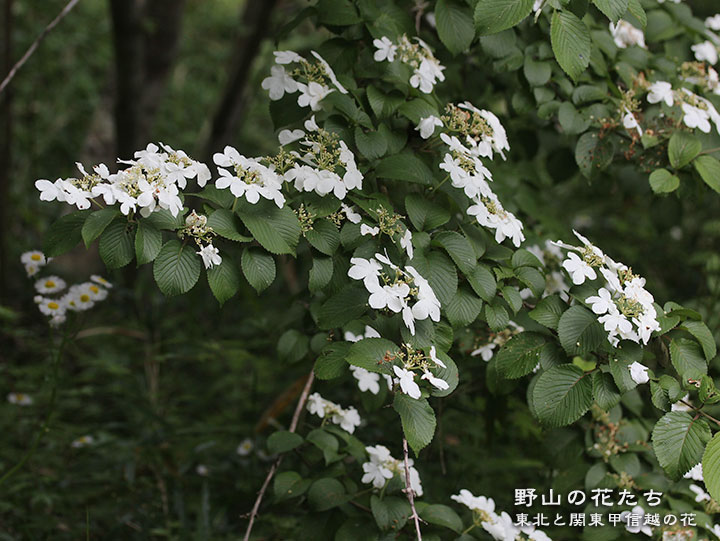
78,298
698,112
497,340
413,361
624,305
499,526
705,51
34,261
20,399
348,419
427,71
625,35
396,293
325,165
470,134
82,441
197,228
366,380
247,177
311,78
382,467
153,180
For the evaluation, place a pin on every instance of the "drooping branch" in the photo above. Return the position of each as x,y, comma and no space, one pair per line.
409,491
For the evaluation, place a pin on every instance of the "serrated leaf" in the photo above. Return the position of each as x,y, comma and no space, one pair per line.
636,9
612,9
605,391
347,304
406,167
483,282
711,467
424,214
593,153
277,230
688,358
663,181
562,395
513,298
371,144
547,312
458,248
579,331
497,317
463,308
532,278
176,268
418,420
258,268
390,512
324,236
223,223
163,219
703,335
570,40
331,363
372,354
116,245
320,273
442,515
224,280
96,223
326,493
709,170
678,441
64,233
520,355
523,258
148,242
283,441
492,16
454,25
440,272
683,148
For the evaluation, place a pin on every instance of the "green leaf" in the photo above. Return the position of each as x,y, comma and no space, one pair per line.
458,248
116,244
579,331
463,308
337,13
683,148
289,484
440,272
513,298
96,224
390,512
418,420
442,515
520,355
547,312
176,268
258,268
523,258
277,230
324,236
679,441
347,304
292,346
163,219
224,280
148,241
613,9
283,441
64,233
483,282
703,335
659,397
406,167
424,214
562,395
688,358
533,279
372,354
320,273
492,16
593,153
326,493
222,198
372,144
636,9
711,467
709,170
223,222
620,370
497,317
537,73
605,391
570,40
663,181
331,363
454,25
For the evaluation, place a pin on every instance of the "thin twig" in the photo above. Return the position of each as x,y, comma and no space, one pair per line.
31,49
276,464
699,411
409,491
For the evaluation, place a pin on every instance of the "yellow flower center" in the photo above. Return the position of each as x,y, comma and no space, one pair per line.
36,257
49,283
95,289
53,305
84,297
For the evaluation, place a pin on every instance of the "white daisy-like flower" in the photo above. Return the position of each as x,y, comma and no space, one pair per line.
245,448
20,399
82,441
50,284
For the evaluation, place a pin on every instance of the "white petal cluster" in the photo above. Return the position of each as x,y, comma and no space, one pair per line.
82,441
637,525
34,261
247,177
311,78
638,373
427,70
550,255
626,35
705,52
624,305
382,467
347,418
698,112
20,399
713,23
415,303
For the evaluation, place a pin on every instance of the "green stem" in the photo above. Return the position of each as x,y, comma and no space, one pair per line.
443,182
234,203
468,529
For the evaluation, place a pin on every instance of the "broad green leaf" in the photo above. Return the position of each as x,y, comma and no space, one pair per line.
96,224
533,279
373,354
454,25
116,245
593,153
463,308
442,515
663,181
326,493
483,282
605,391
520,355
424,214
579,331
492,16
440,272
523,258
547,312
709,170
331,363
277,230
337,13
418,420
324,236
683,148
223,198
711,467
224,279
283,441
258,268
613,9
148,241
537,73
64,233
688,358
289,484
223,222
347,304
458,248
562,395
636,9
570,40
390,512
679,441
497,317
292,345
320,273
371,144
513,298
163,219
326,442
406,167
703,335
176,268
620,370
659,397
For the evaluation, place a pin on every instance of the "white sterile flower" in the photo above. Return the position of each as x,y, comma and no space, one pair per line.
367,230
367,270
502,528
311,94
494,216
350,213
210,256
428,304
499,138
694,117
316,405
680,405
279,83
602,302
427,125
486,352
329,72
367,381
245,448
247,177
475,503
578,269
616,323
286,57
435,358
695,473
415,484
435,381
700,494
82,441
473,182
20,399
348,419
285,137
705,52
407,382
391,297
406,243
50,284
377,470
50,191
638,373
661,91
631,123
716,528
713,23
625,35
386,49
